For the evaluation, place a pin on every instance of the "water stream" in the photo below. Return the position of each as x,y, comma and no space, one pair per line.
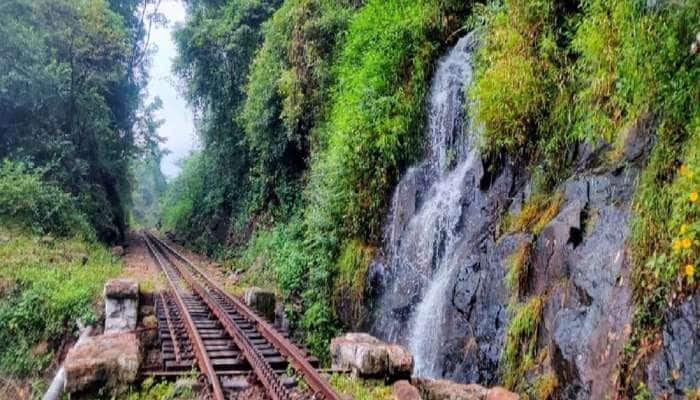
426,222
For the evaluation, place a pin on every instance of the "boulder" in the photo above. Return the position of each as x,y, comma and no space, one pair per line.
369,356
403,390
499,393
121,305
110,360
262,300
442,389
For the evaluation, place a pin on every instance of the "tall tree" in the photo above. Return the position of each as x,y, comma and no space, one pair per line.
69,95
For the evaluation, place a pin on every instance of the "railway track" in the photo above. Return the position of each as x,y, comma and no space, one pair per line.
203,328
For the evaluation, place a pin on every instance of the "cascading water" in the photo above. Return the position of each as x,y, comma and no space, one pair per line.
436,215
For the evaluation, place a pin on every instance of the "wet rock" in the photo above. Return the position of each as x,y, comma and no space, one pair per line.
369,356
110,360
403,390
262,300
639,137
118,251
675,368
121,305
581,263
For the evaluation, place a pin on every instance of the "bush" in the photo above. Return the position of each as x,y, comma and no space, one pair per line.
26,200
513,76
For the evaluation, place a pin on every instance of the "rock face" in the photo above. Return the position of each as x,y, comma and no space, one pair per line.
110,360
578,265
121,305
262,300
675,367
369,356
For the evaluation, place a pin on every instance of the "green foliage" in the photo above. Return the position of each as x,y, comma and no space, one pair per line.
47,286
188,201
25,199
373,131
303,142
215,48
288,82
71,73
515,74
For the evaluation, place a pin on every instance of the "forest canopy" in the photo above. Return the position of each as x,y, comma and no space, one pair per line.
72,81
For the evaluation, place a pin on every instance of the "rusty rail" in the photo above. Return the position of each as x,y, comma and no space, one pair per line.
282,344
203,360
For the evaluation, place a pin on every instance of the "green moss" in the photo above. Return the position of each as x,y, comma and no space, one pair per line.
536,213
349,291
516,276
521,339
544,386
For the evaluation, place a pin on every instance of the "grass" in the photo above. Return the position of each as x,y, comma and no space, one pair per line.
361,389
521,339
49,285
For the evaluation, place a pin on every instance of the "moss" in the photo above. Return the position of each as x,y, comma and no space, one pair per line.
521,338
544,386
349,290
516,275
537,211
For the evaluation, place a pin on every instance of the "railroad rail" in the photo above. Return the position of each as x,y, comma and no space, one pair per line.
202,326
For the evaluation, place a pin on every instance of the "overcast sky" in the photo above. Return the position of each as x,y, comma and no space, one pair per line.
178,127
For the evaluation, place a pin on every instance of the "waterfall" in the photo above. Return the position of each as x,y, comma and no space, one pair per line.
427,223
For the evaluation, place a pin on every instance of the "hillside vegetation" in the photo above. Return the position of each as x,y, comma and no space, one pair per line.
320,113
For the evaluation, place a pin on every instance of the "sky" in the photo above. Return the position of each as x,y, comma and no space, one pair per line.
178,128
